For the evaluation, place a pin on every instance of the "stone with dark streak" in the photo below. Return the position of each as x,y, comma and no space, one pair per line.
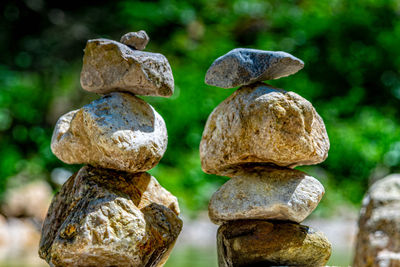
118,131
264,243
110,218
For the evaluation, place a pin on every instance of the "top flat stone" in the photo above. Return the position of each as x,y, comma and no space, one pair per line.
109,66
137,40
243,66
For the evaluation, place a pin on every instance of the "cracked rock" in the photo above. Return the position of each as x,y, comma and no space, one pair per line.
109,218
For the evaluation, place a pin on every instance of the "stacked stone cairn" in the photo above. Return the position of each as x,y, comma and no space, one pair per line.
256,137
112,212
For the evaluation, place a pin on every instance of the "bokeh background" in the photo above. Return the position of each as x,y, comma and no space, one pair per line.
351,75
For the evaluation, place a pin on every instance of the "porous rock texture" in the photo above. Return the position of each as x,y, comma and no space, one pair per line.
242,66
137,40
263,243
109,218
378,239
119,131
260,123
271,193
111,66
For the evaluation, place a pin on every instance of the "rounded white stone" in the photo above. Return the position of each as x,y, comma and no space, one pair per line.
119,131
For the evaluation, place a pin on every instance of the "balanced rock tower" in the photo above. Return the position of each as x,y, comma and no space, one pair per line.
256,137
112,212
378,239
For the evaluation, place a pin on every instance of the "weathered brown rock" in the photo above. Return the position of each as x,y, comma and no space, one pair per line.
378,240
259,123
263,192
119,131
109,218
137,40
110,66
263,243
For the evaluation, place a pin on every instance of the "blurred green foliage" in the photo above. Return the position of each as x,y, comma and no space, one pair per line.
351,76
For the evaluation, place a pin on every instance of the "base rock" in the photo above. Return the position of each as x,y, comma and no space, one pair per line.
264,243
109,218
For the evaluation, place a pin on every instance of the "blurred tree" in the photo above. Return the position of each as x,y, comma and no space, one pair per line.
351,76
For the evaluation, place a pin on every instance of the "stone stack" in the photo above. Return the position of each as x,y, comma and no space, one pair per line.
112,212
256,137
378,239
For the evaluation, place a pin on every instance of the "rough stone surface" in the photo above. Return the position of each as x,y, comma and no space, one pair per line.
263,243
260,123
378,240
109,218
137,40
266,193
119,131
243,66
110,66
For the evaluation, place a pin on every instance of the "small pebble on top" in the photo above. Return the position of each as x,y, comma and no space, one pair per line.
137,40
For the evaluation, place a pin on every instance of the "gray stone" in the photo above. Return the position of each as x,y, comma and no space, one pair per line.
119,131
263,243
137,40
110,218
242,66
271,193
262,124
378,239
110,66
